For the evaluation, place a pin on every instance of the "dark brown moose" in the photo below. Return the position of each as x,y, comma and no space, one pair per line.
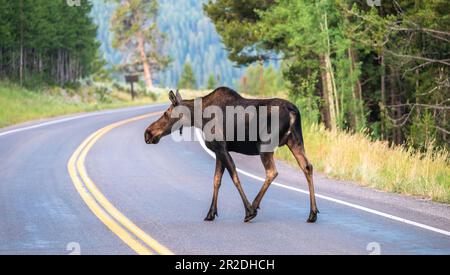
289,133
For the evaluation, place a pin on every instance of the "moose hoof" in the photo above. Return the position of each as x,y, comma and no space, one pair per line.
250,215
312,216
211,216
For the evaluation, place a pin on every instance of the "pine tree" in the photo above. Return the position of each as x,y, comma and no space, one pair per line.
137,35
235,21
212,83
46,41
187,80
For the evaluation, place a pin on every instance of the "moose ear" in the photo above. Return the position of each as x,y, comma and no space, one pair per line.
173,98
178,95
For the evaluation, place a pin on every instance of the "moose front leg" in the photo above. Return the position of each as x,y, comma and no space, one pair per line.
250,212
217,182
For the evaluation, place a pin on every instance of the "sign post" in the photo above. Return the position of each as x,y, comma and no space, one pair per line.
131,79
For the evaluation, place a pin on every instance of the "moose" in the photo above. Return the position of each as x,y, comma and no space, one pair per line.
288,132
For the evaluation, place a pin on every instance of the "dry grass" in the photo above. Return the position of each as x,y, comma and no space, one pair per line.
373,163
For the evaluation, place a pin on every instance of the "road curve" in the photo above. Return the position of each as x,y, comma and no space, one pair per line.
165,191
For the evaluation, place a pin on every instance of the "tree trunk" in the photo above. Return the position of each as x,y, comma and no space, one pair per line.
400,110
395,113
383,97
323,106
21,43
326,64
358,115
328,92
145,65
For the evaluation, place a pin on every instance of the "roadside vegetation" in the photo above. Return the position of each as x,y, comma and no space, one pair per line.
358,156
19,104
355,157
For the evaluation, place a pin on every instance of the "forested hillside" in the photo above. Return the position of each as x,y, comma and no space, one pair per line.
46,42
191,37
101,14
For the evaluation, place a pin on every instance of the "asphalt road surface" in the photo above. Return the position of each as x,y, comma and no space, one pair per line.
64,190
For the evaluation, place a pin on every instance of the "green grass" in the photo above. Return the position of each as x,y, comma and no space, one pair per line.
375,164
19,105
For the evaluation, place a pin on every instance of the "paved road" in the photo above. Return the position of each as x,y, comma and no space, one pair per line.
165,190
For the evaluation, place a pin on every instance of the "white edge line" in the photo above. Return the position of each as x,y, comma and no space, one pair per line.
57,121
199,135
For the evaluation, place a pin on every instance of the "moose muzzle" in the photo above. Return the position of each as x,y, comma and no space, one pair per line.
150,139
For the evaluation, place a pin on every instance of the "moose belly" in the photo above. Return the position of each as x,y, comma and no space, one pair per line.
246,148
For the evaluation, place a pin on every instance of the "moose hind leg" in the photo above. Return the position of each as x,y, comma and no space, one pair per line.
217,182
299,153
271,174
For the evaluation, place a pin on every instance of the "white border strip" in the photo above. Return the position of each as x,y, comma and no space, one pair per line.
199,135
62,120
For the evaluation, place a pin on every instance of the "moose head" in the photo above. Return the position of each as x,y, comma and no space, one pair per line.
164,125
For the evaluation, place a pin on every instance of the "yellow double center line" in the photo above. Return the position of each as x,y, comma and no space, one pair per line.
118,223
